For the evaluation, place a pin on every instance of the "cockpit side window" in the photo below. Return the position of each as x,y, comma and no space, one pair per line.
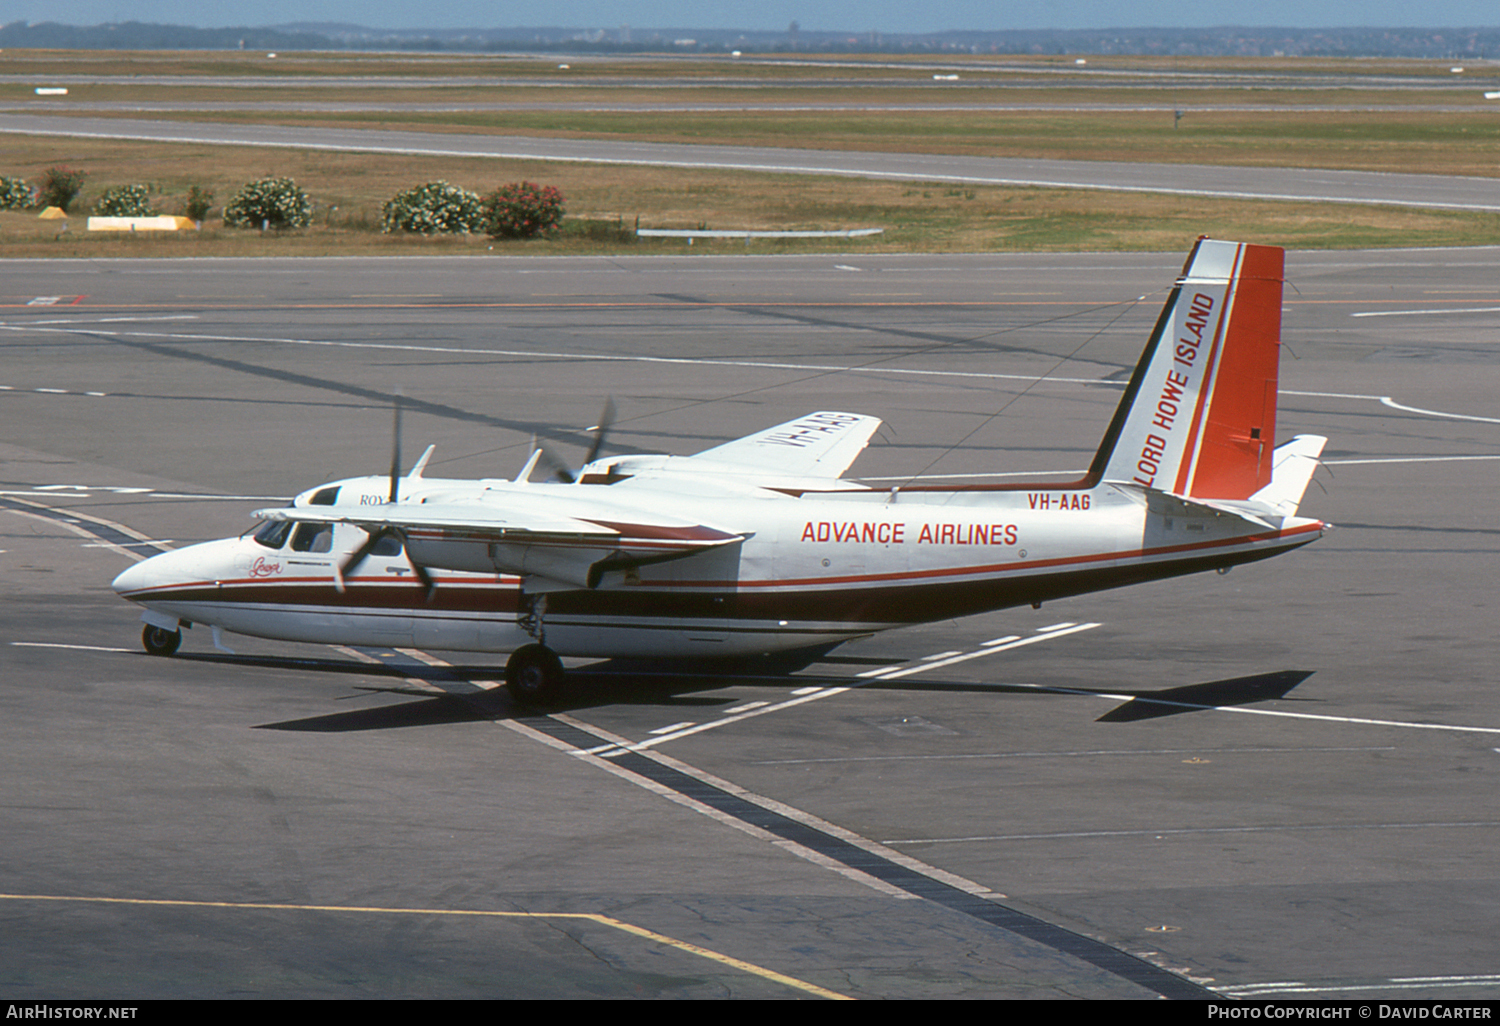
313,538
273,533
390,545
325,496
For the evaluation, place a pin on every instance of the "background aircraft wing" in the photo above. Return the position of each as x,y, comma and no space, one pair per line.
566,546
820,444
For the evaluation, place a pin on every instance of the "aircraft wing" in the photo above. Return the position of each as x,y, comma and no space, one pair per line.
524,537
820,444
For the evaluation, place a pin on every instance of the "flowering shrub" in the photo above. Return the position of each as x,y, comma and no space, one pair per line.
15,194
431,208
273,202
124,201
521,210
59,186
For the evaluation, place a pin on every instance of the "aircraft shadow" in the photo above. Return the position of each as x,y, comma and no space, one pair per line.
621,682
1143,705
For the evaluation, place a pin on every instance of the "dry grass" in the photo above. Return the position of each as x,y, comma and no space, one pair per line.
350,189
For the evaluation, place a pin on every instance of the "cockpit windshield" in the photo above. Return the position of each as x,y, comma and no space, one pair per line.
273,533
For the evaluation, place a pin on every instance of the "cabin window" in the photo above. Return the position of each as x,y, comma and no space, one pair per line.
313,538
273,533
325,496
389,545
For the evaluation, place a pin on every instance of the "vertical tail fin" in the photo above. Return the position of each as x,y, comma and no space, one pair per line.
1199,416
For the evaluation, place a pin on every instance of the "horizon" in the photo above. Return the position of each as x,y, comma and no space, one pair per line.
852,16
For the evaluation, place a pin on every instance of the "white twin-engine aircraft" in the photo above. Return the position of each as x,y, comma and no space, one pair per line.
758,546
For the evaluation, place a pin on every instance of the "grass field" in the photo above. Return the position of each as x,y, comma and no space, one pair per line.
1326,114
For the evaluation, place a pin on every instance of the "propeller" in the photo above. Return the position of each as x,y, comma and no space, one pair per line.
359,555
559,466
353,561
606,421
395,493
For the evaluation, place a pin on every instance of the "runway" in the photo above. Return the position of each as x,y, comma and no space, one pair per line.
1287,184
980,808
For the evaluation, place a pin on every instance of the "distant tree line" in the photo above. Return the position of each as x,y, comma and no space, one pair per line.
1442,43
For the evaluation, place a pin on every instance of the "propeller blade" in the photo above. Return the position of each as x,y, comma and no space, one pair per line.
555,463
423,574
358,556
601,429
396,452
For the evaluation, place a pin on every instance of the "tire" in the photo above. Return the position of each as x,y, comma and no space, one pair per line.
534,675
159,641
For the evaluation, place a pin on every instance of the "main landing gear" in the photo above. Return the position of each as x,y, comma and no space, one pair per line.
534,675
159,641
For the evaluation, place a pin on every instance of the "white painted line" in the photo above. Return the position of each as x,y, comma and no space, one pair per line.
81,648
1388,401
672,727
1420,313
1355,720
1056,631
1407,459
595,357
745,708
1271,828
805,695
1091,753
1395,983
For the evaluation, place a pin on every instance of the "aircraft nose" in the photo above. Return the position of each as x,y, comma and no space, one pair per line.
134,579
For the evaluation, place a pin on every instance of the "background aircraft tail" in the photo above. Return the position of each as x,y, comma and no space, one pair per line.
1199,416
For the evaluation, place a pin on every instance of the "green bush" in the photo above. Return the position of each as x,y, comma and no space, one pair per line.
15,194
60,185
124,201
199,202
522,210
432,208
272,202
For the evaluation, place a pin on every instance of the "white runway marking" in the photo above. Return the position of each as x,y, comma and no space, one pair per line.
1273,828
81,648
1420,313
1249,990
988,648
1324,717
1407,459
804,695
814,693
595,357
763,364
1388,401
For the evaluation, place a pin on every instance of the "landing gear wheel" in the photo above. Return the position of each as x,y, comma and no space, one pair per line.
534,675
160,641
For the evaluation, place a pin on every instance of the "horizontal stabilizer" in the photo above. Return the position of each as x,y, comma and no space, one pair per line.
1292,468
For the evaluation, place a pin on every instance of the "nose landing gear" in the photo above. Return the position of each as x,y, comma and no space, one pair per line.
159,641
